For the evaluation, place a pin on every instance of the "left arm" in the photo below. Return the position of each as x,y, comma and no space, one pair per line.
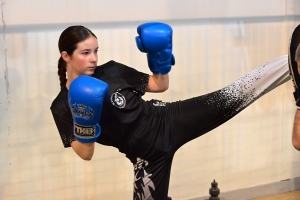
158,83
155,39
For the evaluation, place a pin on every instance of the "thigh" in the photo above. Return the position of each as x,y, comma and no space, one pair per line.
194,117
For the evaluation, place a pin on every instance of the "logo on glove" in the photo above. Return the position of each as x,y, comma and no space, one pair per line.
82,111
84,131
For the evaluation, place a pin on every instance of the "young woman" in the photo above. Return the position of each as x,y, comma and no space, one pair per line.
149,132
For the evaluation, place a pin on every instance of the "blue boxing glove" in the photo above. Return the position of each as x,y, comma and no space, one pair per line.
86,95
155,39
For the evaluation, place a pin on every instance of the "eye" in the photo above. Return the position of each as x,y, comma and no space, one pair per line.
85,53
96,51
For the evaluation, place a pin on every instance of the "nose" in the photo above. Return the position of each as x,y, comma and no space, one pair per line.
94,57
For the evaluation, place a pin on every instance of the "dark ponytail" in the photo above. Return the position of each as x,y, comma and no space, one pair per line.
62,70
67,42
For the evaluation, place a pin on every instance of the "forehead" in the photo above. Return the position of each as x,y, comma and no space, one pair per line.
89,43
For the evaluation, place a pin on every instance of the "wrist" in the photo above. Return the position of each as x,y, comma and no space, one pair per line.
160,63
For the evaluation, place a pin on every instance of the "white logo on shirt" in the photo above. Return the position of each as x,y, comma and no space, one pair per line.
118,100
159,103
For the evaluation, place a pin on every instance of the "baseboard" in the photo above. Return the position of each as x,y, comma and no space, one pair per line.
258,191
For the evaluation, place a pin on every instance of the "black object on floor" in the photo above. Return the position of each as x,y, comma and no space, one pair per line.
214,191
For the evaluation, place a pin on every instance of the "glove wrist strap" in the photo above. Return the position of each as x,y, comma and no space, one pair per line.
86,134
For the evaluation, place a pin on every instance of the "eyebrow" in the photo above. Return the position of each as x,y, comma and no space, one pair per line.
88,49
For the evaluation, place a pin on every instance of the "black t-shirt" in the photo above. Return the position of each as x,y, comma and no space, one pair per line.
122,107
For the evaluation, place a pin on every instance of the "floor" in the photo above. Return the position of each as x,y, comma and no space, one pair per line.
295,195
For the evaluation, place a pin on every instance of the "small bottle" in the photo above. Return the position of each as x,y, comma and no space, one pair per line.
214,191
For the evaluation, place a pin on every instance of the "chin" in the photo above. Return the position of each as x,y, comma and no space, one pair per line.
89,73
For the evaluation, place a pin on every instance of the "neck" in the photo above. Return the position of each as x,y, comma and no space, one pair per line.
71,77
68,84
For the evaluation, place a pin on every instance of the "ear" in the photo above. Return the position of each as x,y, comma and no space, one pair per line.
65,56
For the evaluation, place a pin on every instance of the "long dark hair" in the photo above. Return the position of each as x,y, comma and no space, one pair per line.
67,42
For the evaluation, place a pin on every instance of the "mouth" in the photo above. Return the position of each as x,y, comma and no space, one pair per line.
92,68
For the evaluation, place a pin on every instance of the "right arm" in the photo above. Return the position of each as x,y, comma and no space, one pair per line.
296,131
81,131
83,150
86,95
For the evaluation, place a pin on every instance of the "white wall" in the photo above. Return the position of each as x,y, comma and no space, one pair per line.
215,42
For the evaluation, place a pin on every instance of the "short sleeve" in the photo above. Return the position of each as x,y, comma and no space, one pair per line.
136,79
65,129
63,117
144,84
